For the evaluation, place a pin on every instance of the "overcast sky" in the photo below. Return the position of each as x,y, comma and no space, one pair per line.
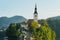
45,8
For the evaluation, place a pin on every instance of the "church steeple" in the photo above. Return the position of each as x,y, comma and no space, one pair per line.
35,9
35,13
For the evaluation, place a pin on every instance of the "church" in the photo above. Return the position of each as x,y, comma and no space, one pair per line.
24,25
35,15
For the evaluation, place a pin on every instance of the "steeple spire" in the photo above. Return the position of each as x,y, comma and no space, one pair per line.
35,13
35,9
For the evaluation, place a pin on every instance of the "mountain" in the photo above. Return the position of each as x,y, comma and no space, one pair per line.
54,18
5,21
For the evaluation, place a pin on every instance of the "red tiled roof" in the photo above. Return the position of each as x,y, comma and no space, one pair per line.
30,20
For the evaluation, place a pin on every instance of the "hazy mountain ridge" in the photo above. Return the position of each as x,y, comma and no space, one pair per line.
54,18
4,21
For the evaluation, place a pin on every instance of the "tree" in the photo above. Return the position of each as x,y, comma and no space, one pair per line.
13,31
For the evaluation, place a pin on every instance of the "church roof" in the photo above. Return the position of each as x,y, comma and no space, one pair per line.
30,20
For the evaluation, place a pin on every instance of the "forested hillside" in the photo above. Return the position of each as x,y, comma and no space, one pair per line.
55,25
44,32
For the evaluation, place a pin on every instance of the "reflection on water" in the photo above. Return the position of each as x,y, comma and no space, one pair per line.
1,38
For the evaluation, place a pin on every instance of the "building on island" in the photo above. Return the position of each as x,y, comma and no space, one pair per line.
25,33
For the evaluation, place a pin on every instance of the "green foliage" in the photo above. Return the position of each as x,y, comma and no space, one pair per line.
44,23
55,25
42,33
13,31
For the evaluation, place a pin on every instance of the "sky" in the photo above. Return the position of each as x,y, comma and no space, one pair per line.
25,8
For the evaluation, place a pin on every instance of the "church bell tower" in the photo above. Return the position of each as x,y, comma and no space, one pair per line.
35,14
